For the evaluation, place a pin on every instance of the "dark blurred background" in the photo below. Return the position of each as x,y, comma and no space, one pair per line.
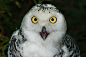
12,12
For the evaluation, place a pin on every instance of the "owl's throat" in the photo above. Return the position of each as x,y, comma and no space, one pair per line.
44,33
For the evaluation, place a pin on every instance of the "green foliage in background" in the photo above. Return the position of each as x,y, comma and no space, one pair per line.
4,47
74,12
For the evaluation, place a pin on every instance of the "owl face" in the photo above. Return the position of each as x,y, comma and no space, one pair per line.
44,19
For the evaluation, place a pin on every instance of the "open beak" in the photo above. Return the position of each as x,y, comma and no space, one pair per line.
44,33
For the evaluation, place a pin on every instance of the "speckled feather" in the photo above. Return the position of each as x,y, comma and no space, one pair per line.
14,44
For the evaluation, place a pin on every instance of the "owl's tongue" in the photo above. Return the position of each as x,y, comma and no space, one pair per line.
44,33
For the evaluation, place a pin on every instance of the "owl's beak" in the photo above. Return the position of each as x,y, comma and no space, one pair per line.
44,33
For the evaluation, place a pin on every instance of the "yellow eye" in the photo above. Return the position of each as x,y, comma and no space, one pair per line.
34,20
53,19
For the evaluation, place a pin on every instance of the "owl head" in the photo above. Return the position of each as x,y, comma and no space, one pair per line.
44,19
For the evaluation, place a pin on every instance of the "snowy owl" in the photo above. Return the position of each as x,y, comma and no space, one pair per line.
43,34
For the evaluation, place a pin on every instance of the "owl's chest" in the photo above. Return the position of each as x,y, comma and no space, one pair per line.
38,50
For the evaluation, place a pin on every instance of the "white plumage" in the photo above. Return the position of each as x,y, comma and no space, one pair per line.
43,34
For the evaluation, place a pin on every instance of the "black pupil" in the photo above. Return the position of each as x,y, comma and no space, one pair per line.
52,19
35,19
